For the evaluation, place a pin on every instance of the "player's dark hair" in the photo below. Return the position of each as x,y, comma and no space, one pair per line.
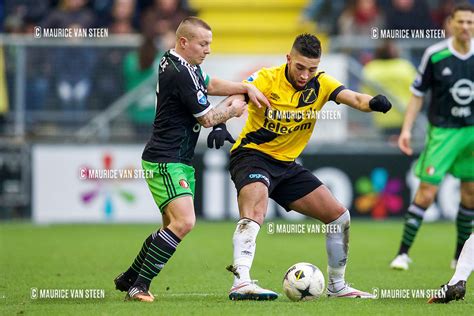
308,45
464,6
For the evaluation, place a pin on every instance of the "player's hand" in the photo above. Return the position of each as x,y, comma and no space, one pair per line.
404,143
256,96
380,103
238,107
218,136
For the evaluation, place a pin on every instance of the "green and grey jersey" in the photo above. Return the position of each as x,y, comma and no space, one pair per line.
450,77
181,97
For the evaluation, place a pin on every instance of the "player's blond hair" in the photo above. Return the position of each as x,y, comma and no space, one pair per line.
186,27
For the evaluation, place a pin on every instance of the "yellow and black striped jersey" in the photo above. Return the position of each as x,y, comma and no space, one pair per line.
284,130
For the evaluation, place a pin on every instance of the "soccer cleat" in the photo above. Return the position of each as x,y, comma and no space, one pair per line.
349,292
401,262
249,290
450,293
122,283
454,263
138,293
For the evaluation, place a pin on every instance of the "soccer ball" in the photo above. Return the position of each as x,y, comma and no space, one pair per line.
303,282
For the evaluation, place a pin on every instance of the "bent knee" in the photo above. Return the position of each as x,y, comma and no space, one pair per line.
467,194
184,226
425,195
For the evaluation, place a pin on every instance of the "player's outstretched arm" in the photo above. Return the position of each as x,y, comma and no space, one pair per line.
233,106
224,87
413,108
364,102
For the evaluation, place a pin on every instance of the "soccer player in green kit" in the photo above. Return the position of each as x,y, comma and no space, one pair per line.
447,69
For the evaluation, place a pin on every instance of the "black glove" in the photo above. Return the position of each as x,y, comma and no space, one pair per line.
380,103
218,136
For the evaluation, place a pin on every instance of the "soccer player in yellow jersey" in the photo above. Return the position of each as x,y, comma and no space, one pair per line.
262,163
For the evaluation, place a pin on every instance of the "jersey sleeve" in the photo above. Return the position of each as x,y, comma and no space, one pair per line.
191,93
331,86
262,80
424,78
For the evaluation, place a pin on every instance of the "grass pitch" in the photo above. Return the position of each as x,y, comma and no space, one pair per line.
195,281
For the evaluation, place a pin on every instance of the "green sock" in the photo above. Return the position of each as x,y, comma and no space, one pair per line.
464,222
413,220
134,269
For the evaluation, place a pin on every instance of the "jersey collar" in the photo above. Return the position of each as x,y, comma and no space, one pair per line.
175,54
458,54
308,84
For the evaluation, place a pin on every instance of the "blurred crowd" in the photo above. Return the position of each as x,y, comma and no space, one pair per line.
355,17
76,80
79,79
148,17
158,17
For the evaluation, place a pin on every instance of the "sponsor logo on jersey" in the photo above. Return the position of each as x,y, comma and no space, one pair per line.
463,91
184,184
461,111
274,96
446,72
201,97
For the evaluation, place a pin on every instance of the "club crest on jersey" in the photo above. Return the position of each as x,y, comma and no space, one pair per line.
184,184
201,97
307,97
430,170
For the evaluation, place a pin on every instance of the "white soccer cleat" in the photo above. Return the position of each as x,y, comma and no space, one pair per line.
401,262
350,292
249,290
454,263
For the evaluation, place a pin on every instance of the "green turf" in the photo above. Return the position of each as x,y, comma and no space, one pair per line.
195,280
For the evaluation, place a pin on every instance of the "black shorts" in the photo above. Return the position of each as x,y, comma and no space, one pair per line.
286,181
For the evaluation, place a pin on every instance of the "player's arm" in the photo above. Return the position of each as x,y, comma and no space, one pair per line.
364,102
233,106
420,86
222,87
413,108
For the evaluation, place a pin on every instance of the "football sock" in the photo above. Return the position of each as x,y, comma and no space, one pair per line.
413,220
136,266
465,262
160,251
337,247
244,239
464,222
